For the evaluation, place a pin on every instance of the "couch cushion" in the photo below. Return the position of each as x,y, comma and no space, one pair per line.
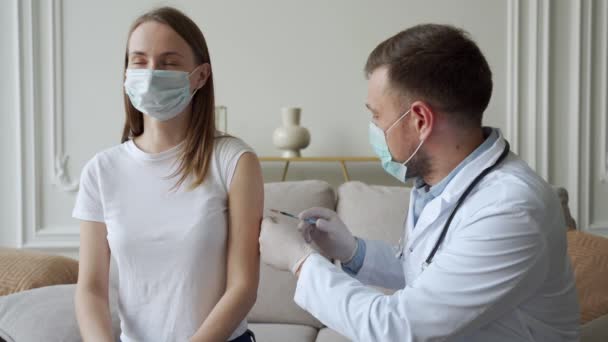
276,289
283,332
329,335
372,211
589,255
45,314
23,270
385,209
596,330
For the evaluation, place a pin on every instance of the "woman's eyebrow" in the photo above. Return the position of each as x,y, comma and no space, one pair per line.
164,54
171,53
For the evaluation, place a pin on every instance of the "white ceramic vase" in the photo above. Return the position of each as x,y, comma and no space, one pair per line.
291,137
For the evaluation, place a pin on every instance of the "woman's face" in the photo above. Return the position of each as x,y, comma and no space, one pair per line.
154,45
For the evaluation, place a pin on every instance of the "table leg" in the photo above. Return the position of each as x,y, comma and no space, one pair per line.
344,171
285,171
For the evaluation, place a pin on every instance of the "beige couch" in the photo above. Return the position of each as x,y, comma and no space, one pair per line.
374,212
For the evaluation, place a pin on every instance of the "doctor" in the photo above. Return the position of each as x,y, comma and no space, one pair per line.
485,255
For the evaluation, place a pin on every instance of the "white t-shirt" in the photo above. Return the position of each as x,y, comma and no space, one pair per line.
169,245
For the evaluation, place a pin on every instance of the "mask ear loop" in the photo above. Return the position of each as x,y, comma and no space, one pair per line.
189,74
194,93
413,154
393,125
193,70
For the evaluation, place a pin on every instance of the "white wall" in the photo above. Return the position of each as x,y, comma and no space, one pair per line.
61,89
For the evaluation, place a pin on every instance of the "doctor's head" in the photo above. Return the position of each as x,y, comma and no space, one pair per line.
428,87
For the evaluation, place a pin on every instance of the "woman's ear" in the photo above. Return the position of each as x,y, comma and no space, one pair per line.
204,72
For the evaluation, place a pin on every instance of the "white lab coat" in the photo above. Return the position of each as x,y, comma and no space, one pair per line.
501,274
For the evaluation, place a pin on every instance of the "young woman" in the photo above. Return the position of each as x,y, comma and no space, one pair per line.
177,204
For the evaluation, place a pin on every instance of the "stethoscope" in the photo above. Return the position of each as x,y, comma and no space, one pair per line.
464,195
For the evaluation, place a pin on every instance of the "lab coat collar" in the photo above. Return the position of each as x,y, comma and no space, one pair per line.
455,188
463,179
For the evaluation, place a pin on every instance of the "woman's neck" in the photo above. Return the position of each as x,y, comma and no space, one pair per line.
159,136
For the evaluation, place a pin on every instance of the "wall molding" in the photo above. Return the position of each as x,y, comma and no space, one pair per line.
528,25
542,86
513,29
60,159
588,15
603,94
19,58
40,98
573,120
529,105
593,100
27,92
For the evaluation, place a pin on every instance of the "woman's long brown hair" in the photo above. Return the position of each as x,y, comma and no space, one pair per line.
195,156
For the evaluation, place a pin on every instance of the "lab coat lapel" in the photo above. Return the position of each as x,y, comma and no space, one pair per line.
430,214
442,204
408,226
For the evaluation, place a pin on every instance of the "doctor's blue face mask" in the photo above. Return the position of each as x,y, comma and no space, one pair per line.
377,138
161,94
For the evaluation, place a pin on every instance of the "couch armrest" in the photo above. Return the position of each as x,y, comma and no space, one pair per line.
23,270
596,330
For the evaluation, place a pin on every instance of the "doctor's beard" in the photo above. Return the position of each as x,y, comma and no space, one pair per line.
419,165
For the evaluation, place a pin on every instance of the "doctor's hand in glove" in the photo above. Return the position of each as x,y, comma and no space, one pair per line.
282,245
329,233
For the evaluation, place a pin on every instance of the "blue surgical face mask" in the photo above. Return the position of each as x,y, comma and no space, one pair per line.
377,138
161,94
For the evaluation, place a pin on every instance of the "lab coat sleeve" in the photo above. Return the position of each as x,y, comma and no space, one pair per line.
381,267
489,266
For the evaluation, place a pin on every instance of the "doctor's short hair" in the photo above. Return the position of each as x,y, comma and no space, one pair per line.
440,65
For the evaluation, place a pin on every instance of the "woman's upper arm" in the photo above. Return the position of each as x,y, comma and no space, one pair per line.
246,203
94,257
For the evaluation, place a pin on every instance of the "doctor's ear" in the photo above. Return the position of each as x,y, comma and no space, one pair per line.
204,71
424,118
